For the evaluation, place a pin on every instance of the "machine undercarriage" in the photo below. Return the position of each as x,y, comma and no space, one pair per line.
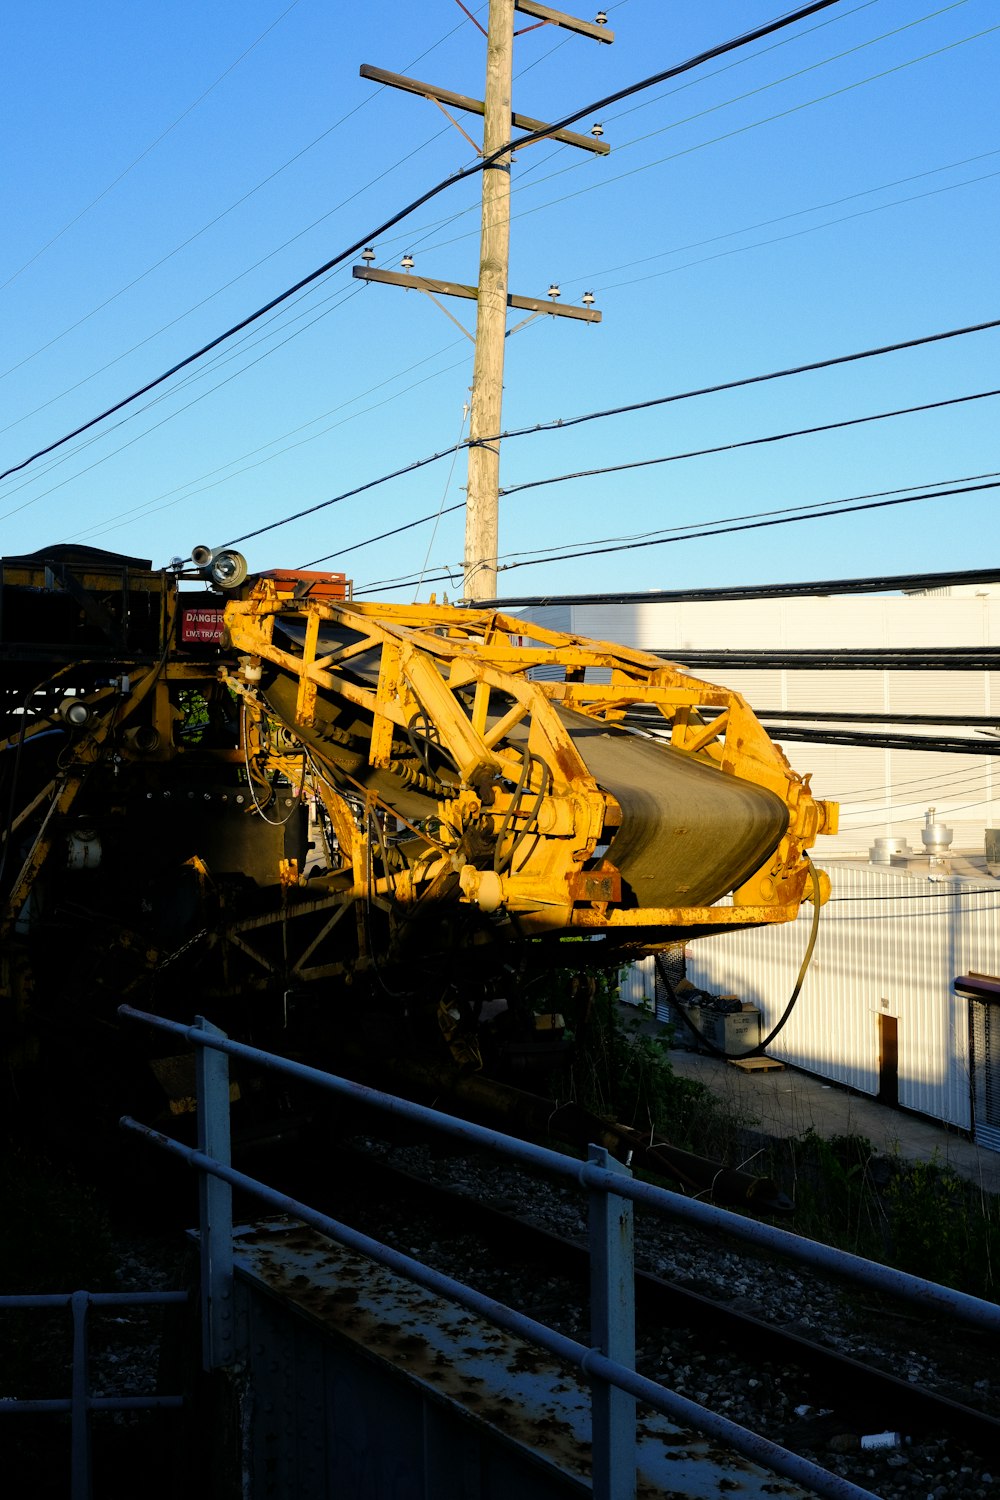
347,818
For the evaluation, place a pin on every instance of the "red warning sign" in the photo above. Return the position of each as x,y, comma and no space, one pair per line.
201,625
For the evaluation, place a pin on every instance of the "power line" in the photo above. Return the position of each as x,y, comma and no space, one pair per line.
152,505
752,125
879,584
210,225
722,530
659,596
859,794
743,129
878,208
560,423
151,147
732,385
882,187
759,525
774,437
474,170
819,506
345,295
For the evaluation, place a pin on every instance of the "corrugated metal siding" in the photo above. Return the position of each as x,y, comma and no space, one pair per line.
638,983
888,941
882,792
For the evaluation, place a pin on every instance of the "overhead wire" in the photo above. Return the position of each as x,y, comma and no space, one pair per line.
608,181
667,531
810,229
148,149
196,486
774,437
483,164
728,135
717,530
759,525
736,251
210,225
812,506
878,207
204,372
563,423
930,782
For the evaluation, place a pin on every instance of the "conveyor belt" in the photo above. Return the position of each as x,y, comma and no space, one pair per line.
689,832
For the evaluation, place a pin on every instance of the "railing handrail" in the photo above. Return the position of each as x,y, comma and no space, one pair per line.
591,1362
887,1279
96,1299
80,1404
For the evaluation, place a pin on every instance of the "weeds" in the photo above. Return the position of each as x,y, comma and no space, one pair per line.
919,1217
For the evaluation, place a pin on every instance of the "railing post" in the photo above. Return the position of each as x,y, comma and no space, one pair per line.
612,1318
80,1474
215,1200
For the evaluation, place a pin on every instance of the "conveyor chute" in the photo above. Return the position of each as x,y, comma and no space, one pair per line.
455,770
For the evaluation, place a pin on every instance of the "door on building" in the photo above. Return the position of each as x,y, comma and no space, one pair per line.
888,1059
984,1040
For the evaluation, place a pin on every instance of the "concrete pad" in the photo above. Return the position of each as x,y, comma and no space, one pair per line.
787,1102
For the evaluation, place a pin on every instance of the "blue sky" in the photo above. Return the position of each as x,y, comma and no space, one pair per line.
168,169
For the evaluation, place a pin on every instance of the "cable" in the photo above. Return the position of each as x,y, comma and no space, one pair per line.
360,489
560,423
819,506
151,147
732,385
882,187
346,295
859,793
754,525
151,507
786,1013
714,141
658,596
211,224
742,129
477,167
776,437
699,535
444,496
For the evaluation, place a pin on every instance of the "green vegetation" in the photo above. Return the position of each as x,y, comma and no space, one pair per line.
620,1073
919,1217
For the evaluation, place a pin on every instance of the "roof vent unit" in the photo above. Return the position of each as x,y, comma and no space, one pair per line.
935,836
992,842
883,851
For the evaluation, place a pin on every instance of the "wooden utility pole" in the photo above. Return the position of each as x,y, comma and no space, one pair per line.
491,294
482,501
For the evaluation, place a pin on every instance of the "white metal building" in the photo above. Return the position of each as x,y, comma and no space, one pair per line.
882,793
877,1011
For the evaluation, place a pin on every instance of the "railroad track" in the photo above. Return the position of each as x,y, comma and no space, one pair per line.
511,1256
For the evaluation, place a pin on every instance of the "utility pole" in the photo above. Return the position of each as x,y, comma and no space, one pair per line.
482,523
491,293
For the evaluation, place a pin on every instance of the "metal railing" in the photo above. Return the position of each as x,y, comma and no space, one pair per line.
609,1363
81,1403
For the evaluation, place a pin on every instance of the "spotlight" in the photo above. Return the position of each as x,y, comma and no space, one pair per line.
75,713
223,567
